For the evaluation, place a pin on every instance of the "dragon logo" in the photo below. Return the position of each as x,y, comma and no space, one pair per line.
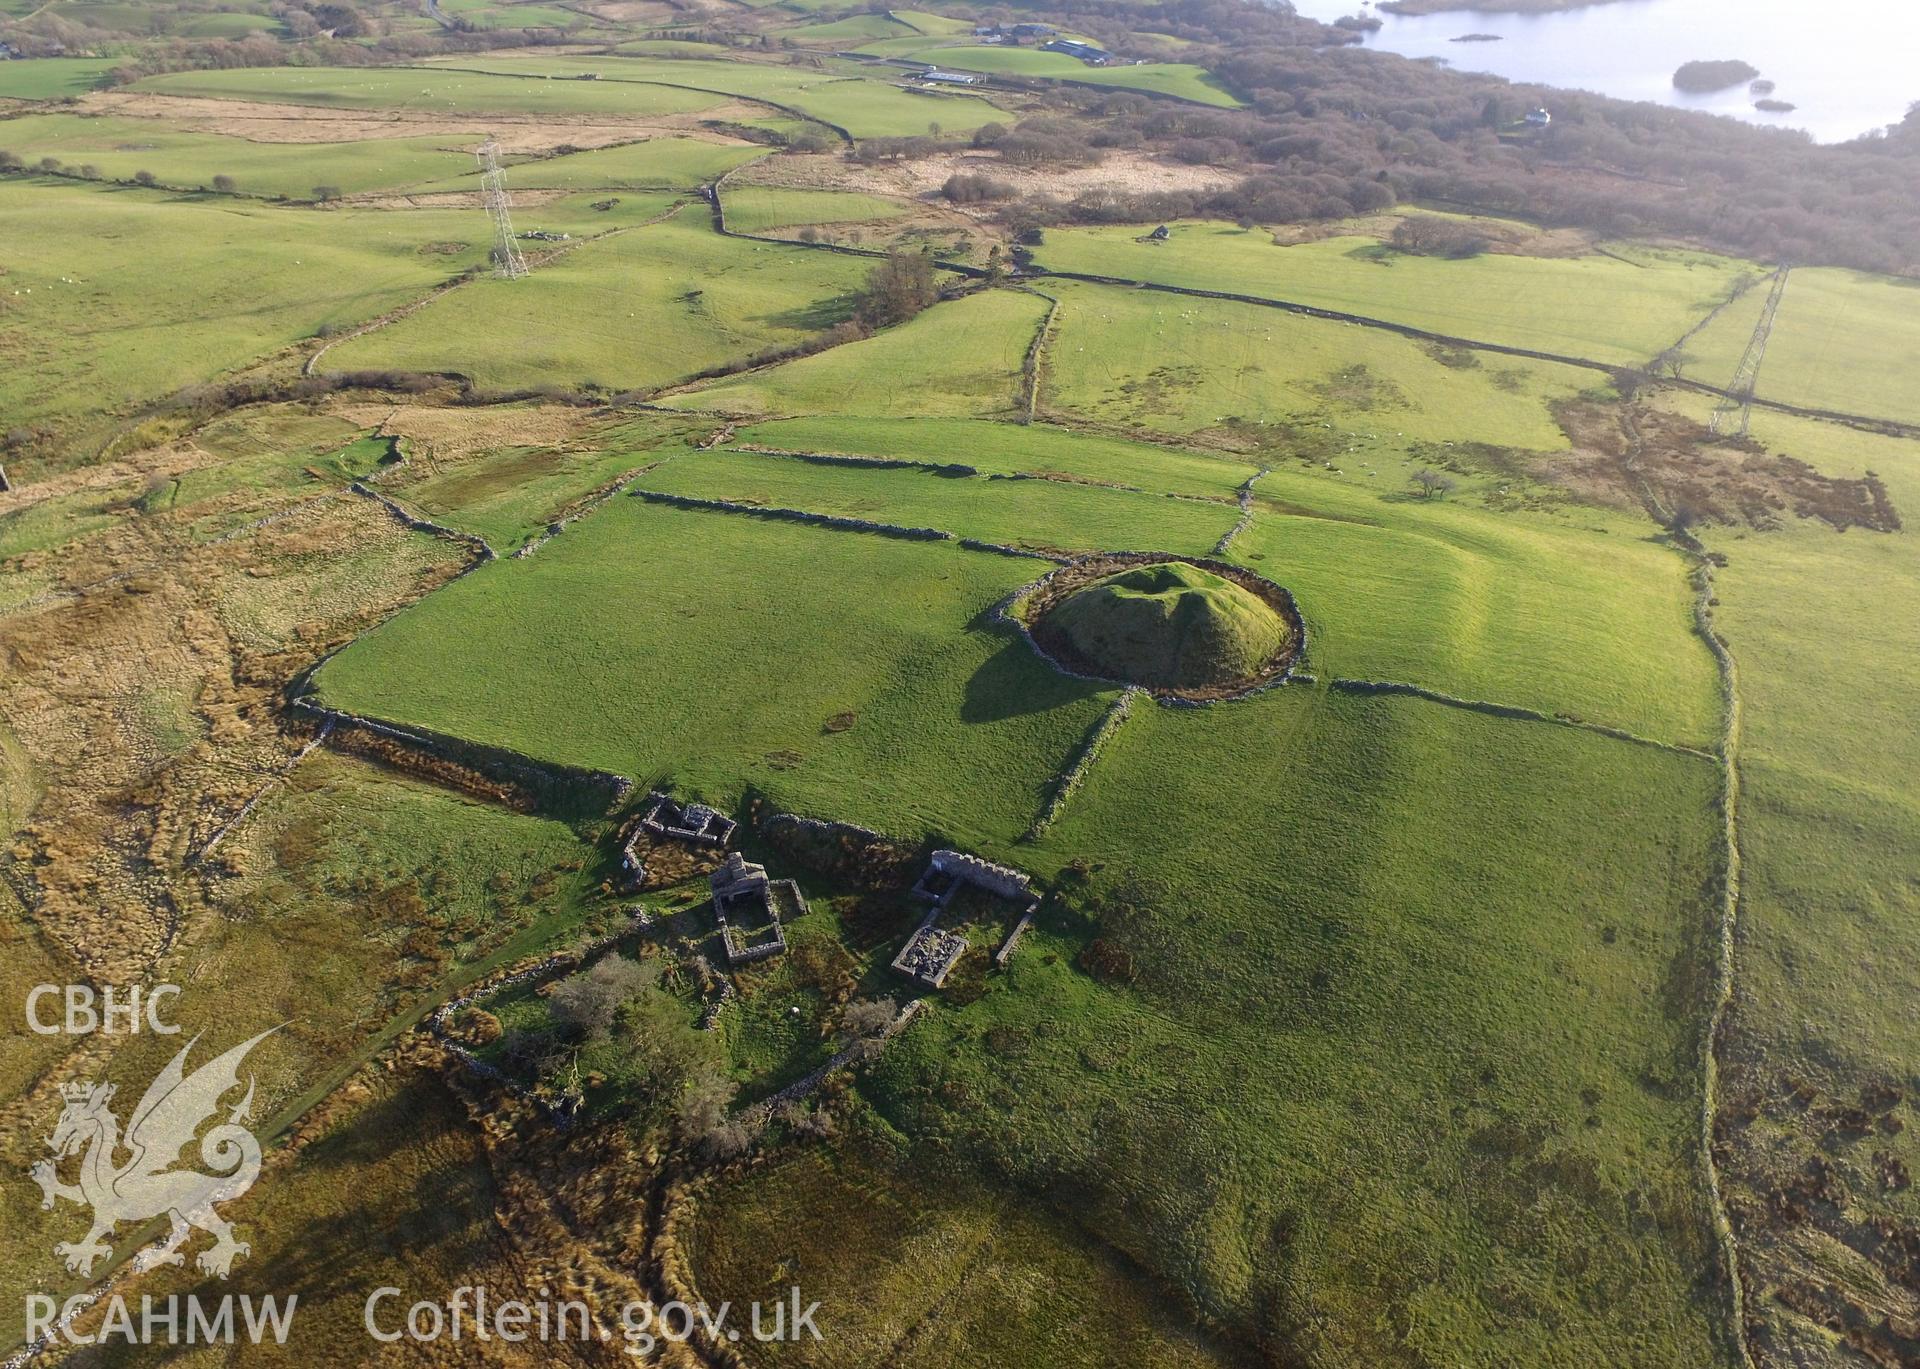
165,1121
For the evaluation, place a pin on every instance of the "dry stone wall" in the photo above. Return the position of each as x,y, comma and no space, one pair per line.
551,784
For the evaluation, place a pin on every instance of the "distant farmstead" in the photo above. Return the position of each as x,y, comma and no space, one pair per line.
937,77
1018,33
1538,118
1086,52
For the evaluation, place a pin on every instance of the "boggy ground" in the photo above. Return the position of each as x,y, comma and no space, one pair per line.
142,680
1676,461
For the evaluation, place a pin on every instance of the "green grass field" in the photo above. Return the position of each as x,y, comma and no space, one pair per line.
672,163
420,89
1043,514
1160,78
1012,1286
1486,606
1007,449
228,25
864,105
762,208
104,331
958,359
1842,340
518,16
1408,1060
509,496
719,301
51,78
851,31
1599,308
938,25
122,147
710,649
1829,678
1176,365
1830,751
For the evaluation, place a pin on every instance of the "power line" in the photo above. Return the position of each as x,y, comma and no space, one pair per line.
1735,411
507,261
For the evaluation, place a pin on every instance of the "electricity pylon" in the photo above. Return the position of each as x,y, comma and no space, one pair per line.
507,261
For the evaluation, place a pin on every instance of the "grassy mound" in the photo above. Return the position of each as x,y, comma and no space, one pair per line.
1172,625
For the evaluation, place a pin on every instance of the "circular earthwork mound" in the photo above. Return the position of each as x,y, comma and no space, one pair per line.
1178,627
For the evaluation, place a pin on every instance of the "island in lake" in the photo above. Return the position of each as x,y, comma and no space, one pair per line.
1703,78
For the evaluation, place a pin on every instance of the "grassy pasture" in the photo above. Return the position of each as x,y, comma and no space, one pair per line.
1829,819
1830,677
938,25
1007,449
960,359
94,329
1000,1282
53,522
1596,307
1177,365
1408,1060
850,31
864,106
228,24
761,208
1487,606
583,213
711,649
122,147
607,307
910,46
670,47
491,16
1043,514
52,78
435,91
673,163
1180,79
509,496
1842,340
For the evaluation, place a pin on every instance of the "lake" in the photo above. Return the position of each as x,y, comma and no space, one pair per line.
1849,70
